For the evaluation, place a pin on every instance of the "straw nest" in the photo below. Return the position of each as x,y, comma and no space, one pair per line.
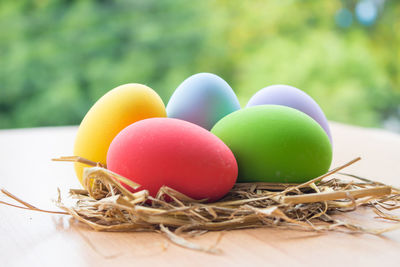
105,205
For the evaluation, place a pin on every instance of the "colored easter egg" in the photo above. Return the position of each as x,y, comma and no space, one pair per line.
176,153
275,143
113,112
290,96
202,99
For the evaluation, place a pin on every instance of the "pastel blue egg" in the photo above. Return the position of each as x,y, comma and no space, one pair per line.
202,99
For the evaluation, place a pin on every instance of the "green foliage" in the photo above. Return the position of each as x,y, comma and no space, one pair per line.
58,57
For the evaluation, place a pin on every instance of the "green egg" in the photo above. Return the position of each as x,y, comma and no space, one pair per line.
275,144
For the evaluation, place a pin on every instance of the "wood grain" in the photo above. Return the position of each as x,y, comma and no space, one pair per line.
33,239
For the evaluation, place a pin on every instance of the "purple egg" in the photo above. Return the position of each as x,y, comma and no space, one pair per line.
289,96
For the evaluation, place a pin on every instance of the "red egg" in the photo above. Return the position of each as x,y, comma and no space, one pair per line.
176,153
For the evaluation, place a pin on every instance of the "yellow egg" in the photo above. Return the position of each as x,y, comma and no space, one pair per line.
113,112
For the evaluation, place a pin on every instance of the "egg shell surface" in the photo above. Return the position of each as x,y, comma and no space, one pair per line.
113,112
176,153
290,96
275,143
202,99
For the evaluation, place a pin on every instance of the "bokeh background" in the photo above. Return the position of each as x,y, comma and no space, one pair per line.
58,57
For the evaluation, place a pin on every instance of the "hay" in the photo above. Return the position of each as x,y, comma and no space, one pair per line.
105,205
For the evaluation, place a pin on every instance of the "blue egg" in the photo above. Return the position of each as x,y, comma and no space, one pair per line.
202,99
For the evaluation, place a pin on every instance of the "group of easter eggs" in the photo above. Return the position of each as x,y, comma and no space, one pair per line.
203,142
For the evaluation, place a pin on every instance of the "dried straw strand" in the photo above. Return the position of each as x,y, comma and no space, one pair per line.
356,193
26,205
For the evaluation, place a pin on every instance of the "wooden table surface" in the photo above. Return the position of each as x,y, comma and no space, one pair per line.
29,238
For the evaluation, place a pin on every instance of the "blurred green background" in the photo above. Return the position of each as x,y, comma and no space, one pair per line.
58,57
